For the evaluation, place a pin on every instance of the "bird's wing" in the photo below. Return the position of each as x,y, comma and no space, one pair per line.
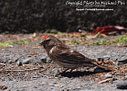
70,56
67,55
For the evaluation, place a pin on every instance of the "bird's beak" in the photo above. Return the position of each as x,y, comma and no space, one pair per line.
41,43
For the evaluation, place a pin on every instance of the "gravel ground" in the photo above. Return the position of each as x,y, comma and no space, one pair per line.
27,68
63,84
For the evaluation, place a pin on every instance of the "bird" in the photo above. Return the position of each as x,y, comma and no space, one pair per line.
66,57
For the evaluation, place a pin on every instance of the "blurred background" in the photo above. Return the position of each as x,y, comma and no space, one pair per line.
28,16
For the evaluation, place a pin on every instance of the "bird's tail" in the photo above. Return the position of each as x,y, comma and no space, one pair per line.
92,62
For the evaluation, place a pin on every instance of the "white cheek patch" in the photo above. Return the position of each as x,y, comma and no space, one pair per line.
51,50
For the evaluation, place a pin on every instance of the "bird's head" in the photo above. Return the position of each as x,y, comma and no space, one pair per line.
49,42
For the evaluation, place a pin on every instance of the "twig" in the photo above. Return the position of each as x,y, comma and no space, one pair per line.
20,70
106,80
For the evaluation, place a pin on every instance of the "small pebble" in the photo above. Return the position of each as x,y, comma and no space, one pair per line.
108,75
122,85
43,59
86,90
97,70
106,56
100,59
2,78
121,62
2,64
117,74
48,60
19,63
36,76
26,61
3,87
125,76
10,61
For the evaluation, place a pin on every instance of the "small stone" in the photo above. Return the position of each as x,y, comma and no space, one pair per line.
48,60
117,74
106,56
100,59
2,64
97,70
125,76
43,59
35,76
2,78
105,59
122,85
122,62
19,63
3,87
86,90
26,61
114,79
15,59
108,75
10,61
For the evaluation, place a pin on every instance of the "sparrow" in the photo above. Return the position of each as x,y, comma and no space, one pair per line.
66,57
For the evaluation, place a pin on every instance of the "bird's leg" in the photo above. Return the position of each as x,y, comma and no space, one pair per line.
87,68
71,70
65,70
62,72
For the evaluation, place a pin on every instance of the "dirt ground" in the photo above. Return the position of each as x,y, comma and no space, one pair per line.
26,67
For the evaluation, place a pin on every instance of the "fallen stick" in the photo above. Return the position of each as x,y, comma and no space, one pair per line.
106,80
20,70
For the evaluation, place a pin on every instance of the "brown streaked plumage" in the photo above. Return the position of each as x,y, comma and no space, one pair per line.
65,56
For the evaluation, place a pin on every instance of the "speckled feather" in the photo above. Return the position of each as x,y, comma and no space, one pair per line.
65,56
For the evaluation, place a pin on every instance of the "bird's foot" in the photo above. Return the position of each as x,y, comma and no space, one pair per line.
62,72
